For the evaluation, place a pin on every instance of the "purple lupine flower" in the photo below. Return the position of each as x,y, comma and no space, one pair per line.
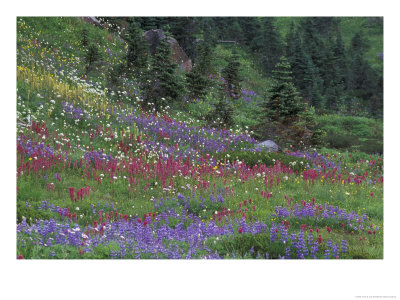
344,246
335,249
287,252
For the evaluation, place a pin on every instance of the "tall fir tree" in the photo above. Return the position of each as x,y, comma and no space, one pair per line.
137,53
313,42
268,44
92,57
251,28
282,107
163,84
232,77
204,61
363,80
184,30
222,115
198,80
207,27
196,83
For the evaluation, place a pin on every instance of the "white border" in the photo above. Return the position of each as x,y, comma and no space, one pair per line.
198,279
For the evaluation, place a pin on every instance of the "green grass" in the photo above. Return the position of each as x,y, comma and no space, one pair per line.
350,132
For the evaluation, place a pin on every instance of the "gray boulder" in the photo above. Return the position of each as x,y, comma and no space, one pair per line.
268,145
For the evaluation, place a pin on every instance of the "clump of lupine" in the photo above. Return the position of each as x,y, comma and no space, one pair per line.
190,204
322,215
164,235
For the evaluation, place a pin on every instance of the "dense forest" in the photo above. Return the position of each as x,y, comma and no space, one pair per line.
336,63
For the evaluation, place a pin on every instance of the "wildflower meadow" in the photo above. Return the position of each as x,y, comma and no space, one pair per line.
99,177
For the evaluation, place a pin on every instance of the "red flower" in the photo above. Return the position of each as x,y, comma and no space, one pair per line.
317,230
372,194
20,256
71,192
369,232
240,230
352,232
328,229
139,220
319,239
341,224
374,232
311,230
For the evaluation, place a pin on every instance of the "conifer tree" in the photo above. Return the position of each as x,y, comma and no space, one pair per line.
162,82
92,57
284,101
84,38
251,27
232,77
198,79
136,57
184,30
204,61
282,107
197,83
222,115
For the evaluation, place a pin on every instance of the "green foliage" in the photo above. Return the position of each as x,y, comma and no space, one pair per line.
285,118
349,132
85,37
184,30
231,75
92,56
205,61
114,77
30,213
136,57
162,82
267,44
197,80
197,84
222,115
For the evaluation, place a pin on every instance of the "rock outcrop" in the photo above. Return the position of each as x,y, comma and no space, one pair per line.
268,145
154,38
